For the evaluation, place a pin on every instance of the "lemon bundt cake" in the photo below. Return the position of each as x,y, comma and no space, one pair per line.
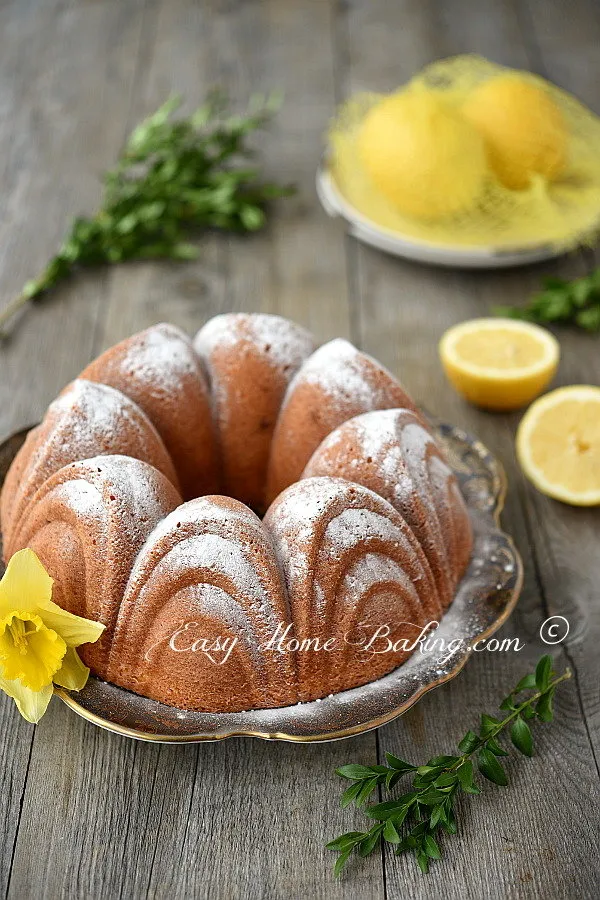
207,606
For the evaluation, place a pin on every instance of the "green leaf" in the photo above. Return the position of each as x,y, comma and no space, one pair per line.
490,767
431,797
443,761
465,777
390,833
488,724
355,772
445,780
469,742
346,840
392,778
341,862
449,823
543,707
589,318
520,735
350,794
399,764
423,861
526,683
367,788
437,815
495,747
431,847
390,808
543,673
369,843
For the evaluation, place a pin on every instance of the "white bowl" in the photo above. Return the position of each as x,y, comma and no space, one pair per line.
459,256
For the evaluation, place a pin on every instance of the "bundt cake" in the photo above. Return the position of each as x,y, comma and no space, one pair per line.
206,606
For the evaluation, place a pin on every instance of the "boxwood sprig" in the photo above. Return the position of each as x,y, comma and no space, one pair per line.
562,302
412,822
175,177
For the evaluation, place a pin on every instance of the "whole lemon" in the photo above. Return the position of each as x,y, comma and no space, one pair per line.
422,155
523,129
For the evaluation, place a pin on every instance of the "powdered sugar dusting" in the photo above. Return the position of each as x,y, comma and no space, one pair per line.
372,569
160,357
283,342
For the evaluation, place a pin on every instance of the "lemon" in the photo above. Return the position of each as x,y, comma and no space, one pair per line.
499,364
422,155
523,129
558,445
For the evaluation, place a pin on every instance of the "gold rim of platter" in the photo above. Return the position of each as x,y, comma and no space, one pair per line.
484,600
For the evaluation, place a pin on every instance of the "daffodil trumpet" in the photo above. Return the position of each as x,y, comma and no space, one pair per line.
38,639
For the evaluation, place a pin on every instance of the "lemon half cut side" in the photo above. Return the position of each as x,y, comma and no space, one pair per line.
558,445
499,364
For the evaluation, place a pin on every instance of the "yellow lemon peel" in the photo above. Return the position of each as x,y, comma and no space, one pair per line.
422,155
558,445
523,129
499,364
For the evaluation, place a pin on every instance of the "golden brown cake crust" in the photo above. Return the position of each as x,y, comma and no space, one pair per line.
392,453
351,566
87,523
207,572
85,420
336,383
250,360
158,369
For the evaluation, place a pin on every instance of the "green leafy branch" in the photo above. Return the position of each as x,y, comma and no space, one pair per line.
174,177
574,302
412,821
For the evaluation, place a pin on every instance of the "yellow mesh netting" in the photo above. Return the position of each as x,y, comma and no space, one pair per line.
563,208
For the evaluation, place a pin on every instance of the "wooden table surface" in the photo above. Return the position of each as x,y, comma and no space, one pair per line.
86,814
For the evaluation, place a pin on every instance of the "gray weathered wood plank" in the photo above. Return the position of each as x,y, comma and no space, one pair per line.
175,817
566,540
101,816
51,155
404,309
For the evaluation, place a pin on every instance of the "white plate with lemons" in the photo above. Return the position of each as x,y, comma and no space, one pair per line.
469,164
467,257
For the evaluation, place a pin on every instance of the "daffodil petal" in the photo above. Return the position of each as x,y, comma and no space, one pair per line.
73,674
74,630
38,657
26,585
31,704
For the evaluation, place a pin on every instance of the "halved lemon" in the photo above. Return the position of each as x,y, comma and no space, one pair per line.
558,445
499,364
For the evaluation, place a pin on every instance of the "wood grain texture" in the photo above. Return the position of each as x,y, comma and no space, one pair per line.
52,153
87,814
199,823
403,311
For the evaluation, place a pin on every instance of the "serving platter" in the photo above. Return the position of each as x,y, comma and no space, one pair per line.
484,600
460,256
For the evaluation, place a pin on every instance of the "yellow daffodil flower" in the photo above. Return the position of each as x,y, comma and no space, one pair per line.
38,638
